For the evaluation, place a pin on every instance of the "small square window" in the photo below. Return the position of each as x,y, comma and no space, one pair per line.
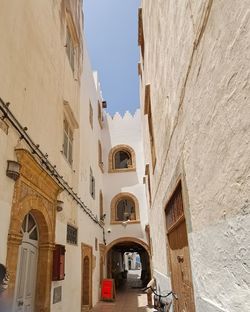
71,234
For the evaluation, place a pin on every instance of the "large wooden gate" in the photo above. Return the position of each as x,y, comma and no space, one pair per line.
181,275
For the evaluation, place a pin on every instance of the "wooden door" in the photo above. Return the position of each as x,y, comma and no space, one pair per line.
86,277
27,267
179,254
102,262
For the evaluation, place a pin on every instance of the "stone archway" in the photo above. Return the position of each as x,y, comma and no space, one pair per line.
35,192
128,240
116,250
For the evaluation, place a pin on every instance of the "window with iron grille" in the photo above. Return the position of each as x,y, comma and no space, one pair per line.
71,234
68,142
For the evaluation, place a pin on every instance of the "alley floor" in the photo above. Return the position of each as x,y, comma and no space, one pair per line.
129,299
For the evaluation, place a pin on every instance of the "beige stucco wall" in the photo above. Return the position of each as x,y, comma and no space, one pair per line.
36,79
197,63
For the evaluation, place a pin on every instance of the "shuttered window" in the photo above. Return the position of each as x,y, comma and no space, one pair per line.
70,50
58,273
68,142
92,184
174,209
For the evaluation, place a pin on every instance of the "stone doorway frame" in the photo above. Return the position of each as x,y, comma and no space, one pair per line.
87,251
35,192
128,240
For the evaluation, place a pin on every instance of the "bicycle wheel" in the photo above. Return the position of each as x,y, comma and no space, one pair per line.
167,307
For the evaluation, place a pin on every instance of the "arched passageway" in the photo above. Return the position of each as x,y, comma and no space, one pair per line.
128,263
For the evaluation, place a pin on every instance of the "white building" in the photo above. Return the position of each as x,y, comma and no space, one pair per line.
79,187
195,97
62,151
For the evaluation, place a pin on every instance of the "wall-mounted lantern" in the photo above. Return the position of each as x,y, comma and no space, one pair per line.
13,169
59,205
104,104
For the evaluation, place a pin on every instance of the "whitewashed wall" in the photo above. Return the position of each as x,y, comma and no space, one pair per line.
126,130
200,108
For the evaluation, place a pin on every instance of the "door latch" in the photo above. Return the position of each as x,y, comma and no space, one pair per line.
180,259
20,303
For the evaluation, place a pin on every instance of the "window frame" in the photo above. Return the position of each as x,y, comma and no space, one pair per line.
70,49
148,111
100,114
71,242
100,158
91,115
68,138
129,199
141,41
92,184
58,265
148,182
114,151
101,210
114,205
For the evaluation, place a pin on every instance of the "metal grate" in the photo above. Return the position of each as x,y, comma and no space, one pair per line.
71,234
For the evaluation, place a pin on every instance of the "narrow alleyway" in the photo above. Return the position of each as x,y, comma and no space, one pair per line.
129,298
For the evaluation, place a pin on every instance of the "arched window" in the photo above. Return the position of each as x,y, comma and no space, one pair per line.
125,208
121,158
29,228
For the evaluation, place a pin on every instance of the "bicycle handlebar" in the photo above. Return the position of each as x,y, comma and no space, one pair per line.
162,296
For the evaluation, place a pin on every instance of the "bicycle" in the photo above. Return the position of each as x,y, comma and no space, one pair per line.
161,302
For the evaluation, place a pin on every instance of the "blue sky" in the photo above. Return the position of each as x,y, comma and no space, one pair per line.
111,32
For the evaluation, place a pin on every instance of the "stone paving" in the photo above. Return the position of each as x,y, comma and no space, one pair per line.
129,299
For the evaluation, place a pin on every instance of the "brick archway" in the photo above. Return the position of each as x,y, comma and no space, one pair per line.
35,192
